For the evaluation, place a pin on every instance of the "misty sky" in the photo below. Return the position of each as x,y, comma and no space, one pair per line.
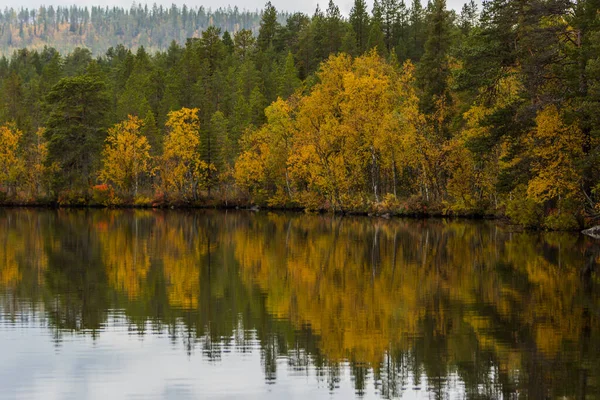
289,5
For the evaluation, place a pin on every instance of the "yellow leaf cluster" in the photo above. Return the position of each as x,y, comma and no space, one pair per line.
354,131
182,171
23,170
11,164
126,156
266,150
36,172
555,146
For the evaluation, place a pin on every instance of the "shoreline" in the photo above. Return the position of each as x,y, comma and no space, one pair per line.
253,207
386,214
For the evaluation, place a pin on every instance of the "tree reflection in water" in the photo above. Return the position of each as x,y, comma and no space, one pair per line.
398,303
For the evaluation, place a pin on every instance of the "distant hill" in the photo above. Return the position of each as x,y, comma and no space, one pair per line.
66,28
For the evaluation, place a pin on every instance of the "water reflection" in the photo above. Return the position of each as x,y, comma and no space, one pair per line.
401,305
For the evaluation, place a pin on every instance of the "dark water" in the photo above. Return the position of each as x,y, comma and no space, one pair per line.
153,304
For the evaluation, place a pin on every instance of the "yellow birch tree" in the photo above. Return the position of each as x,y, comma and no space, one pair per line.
11,164
126,156
36,171
263,163
183,173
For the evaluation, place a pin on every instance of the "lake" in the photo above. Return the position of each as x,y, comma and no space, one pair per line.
101,304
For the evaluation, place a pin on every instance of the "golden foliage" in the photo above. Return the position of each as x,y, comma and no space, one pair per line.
182,171
36,171
11,164
556,147
263,161
126,156
353,132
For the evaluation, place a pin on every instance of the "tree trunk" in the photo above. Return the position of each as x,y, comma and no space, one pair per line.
374,173
394,177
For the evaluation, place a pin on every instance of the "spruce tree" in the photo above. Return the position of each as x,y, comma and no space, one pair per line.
269,27
434,70
376,37
288,79
359,20
417,32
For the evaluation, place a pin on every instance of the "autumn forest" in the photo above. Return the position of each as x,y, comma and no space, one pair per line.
400,109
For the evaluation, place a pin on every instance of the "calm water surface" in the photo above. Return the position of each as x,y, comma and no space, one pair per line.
98,304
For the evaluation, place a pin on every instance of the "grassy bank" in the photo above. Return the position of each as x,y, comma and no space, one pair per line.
386,209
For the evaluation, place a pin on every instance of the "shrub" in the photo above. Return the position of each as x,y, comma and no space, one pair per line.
389,204
142,201
564,221
311,201
356,203
414,205
159,199
72,198
524,211
103,195
279,200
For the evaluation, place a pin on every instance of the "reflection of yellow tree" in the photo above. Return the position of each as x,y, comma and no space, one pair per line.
551,307
371,290
125,252
181,245
21,248
328,282
367,287
9,270
184,282
11,245
176,245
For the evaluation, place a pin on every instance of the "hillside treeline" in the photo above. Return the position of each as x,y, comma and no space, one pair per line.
405,110
98,28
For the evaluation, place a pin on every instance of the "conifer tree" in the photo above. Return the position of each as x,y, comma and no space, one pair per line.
288,80
434,69
269,27
359,20
376,37
76,129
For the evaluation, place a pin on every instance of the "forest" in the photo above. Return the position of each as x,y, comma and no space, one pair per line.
66,28
402,109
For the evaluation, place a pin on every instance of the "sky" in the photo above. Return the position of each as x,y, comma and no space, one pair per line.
284,5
